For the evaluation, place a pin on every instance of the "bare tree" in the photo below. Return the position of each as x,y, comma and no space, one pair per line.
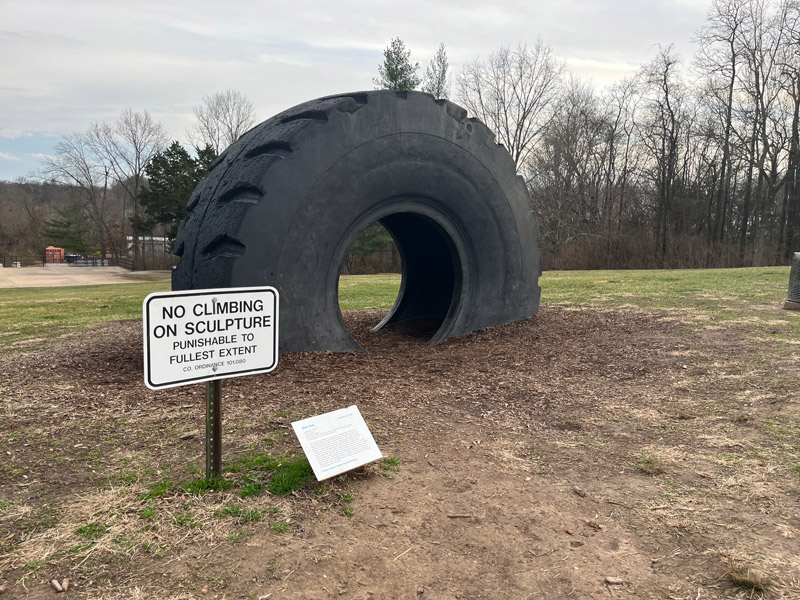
660,132
566,169
24,209
125,148
436,80
75,165
513,93
221,120
789,220
763,41
718,60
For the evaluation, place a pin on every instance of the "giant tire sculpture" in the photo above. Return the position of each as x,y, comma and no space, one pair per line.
283,204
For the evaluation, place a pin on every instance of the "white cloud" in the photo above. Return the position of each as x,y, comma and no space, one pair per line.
7,156
13,134
164,56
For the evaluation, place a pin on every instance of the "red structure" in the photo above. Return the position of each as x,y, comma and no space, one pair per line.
53,255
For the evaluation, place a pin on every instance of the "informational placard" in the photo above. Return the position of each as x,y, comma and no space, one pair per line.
336,442
200,335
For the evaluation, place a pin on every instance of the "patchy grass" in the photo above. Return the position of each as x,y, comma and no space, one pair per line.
201,485
251,488
92,531
240,535
185,519
280,526
158,489
279,475
390,463
649,465
242,515
27,313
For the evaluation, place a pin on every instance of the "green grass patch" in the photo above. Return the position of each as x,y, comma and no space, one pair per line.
158,489
243,515
240,535
46,312
289,476
128,478
280,526
185,519
78,548
287,473
92,531
669,288
251,488
390,463
252,461
358,292
34,565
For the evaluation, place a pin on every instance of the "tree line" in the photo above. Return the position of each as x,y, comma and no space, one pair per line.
118,189
689,162
682,165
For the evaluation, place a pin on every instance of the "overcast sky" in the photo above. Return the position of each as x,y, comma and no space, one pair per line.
67,63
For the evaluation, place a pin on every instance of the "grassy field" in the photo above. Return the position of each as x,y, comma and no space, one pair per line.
671,288
358,292
751,295
721,294
27,313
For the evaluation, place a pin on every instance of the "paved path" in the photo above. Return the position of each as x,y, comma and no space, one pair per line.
63,275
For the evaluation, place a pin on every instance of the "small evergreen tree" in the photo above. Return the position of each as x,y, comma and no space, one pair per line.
172,176
436,80
70,229
397,72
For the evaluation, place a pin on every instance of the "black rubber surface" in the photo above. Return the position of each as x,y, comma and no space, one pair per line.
282,206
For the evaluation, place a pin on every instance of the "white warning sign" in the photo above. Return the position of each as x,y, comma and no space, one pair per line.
199,335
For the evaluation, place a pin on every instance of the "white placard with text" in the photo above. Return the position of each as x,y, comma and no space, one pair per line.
336,442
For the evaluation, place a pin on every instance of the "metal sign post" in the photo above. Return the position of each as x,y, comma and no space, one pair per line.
209,335
213,428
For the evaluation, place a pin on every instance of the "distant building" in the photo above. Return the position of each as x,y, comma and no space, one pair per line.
53,255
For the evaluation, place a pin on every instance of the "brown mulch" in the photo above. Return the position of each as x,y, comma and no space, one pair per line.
522,455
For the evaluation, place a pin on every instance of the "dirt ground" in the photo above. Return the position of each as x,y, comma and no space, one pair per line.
578,454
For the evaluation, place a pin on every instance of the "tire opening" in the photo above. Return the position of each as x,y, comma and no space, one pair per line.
430,274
